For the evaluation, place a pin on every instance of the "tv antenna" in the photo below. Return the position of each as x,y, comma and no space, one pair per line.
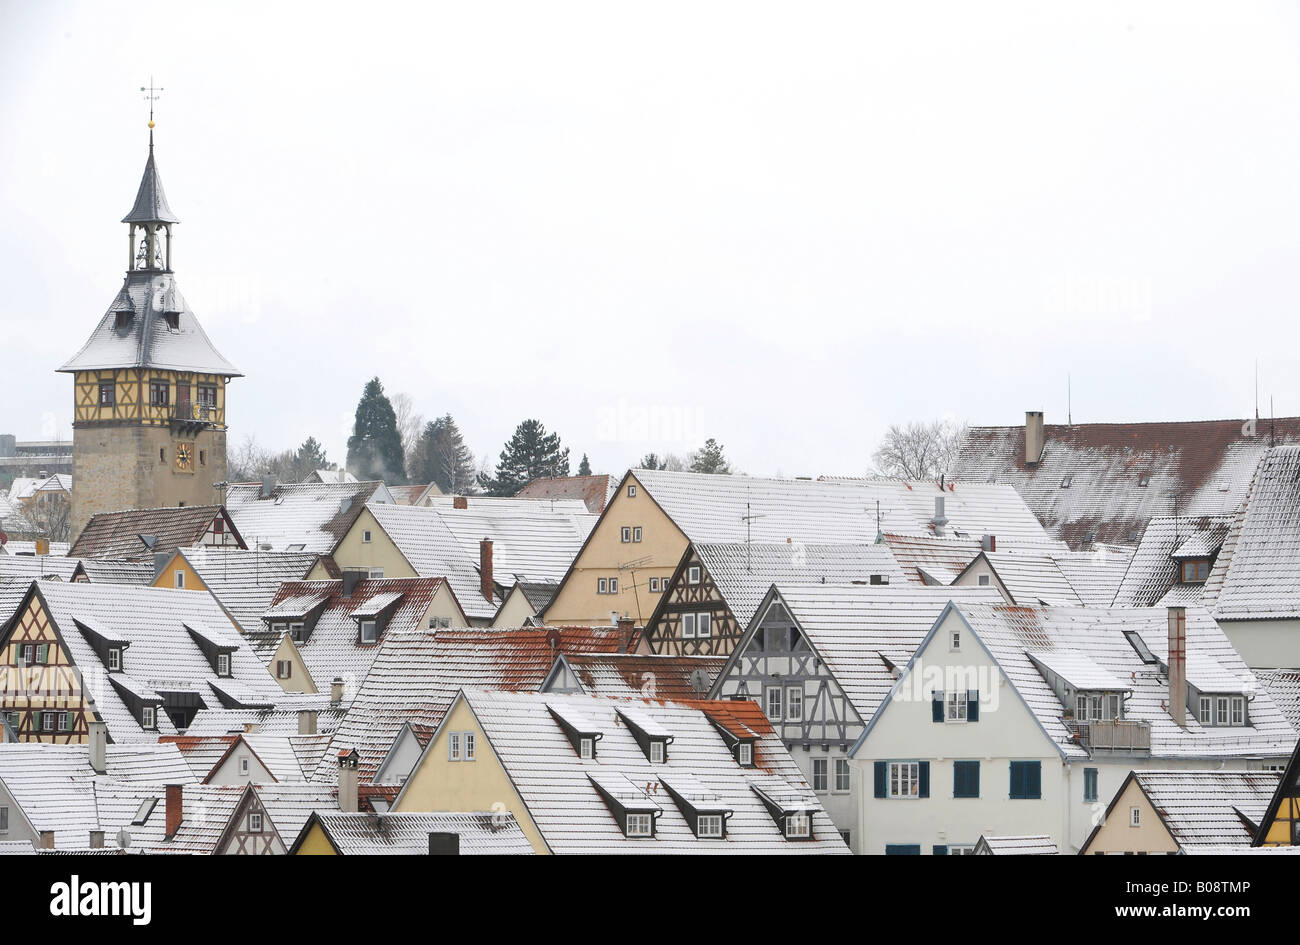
748,519
631,566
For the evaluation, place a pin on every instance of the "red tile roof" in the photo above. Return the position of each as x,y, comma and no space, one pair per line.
594,490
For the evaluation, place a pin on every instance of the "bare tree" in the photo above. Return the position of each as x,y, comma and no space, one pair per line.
409,424
919,450
50,518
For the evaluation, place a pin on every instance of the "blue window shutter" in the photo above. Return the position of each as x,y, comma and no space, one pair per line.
923,769
1035,779
1017,780
941,849
973,705
965,779
936,706
882,778
973,779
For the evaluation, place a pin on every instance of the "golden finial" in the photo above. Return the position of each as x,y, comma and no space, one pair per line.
151,123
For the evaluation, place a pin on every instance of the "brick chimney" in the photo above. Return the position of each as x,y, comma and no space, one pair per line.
45,840
1178,665
626,629
97,839
485,584
1034,441
348,758
460,502
336,690
989,542
174,803
98,743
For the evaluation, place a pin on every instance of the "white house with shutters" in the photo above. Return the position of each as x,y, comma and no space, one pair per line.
1014,721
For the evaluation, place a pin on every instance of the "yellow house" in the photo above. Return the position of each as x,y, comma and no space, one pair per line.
1280,825
336,833
1172,811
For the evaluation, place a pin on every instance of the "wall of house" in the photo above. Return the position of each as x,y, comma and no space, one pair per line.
1118,835
662,543
1265,644
401,759
444,607
299,679
482,785
980,568
316,843
167,576
55,686
19,828
228,773
514,611
380,552
1279,830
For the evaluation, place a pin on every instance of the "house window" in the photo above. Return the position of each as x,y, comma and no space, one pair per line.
797,825
469,746
453,746
365,537
654,585
243,765
1112,706
613,585
984,580
47,721
1238,711
626,534
965,779
1196,571
904,778
114,659
180,579
223,664
1135,817
693,574
65,721
4,819
745,754
159,393
203,461
107,393
1222,705
704,624
957,705
631,492
586,748
369,631
1089,785
708,826
820,774
774,702
207,395
283,669
1205,711
656,752
148,717
1026,780
639,825
375,574
162,455
794,704
636,533
255,823
688,626
602,586
843,780
956,639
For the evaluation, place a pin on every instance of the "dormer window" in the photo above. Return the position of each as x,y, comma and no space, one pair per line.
148,717
1195,570
114,659
640,825
1067,482
586,748
657,751
1144,480
581,731
745,754
369,631
709,826
798,825
223,664
296,631
1222,710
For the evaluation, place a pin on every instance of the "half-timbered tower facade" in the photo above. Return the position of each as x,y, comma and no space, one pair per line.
149,421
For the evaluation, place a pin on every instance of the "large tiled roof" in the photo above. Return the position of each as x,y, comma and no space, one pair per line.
289,806
161,653
313,515
1283,685
1095,575
714,508
332,650
148,340
119,534
432,550
244,581
1123,474
1259,570
633,675
1024,845
1152,573
926,559
744,572
863,632
594,491
1011,634
1205,808
416,675
403,834
560,790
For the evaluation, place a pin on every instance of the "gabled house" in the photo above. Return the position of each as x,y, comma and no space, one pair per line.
363,834
712,595
142,660
1173,560
321,633
1171,812
634,675
1030,577
818,659
654,515
1031,845
1102,482
1280,824
523,603
1022,720
588,775
142,534
243,581
304,516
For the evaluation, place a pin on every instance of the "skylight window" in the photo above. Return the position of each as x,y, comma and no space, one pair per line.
1144,480
1067,482
143,811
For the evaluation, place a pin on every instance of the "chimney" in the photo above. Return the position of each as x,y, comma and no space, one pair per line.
485,585
42,547
351,579
626,628
460,502
174,802
444,844
97,839
879,579
307,722
45,840
268,486
939,520
1178,665
348,780
989,543
98,741
336,690
1033,437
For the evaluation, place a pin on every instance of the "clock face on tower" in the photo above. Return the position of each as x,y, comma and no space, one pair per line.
185,457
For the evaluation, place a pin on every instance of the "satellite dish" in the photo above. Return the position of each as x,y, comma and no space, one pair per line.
699,681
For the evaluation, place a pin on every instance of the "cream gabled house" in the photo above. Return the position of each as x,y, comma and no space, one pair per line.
1026,720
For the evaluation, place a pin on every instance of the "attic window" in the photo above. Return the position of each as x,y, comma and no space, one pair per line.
581,731
143,811
745,754
123,320
114,659
148,717
223,664
1144,480
1066,482
798,825
173,320
640,825
1195,570
369,631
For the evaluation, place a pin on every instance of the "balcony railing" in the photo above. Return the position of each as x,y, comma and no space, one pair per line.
195,413
1114,734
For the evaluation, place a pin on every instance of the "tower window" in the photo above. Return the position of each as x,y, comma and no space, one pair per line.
162,454
203,461
107,393
159,393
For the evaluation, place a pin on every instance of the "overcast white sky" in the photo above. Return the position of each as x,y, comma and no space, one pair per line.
782,225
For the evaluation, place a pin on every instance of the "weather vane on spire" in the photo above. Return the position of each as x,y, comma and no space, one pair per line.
151,96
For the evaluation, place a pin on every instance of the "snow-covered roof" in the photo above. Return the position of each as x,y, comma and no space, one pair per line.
1206,808
1025,845
1153,573
302,516
245,581
407,834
